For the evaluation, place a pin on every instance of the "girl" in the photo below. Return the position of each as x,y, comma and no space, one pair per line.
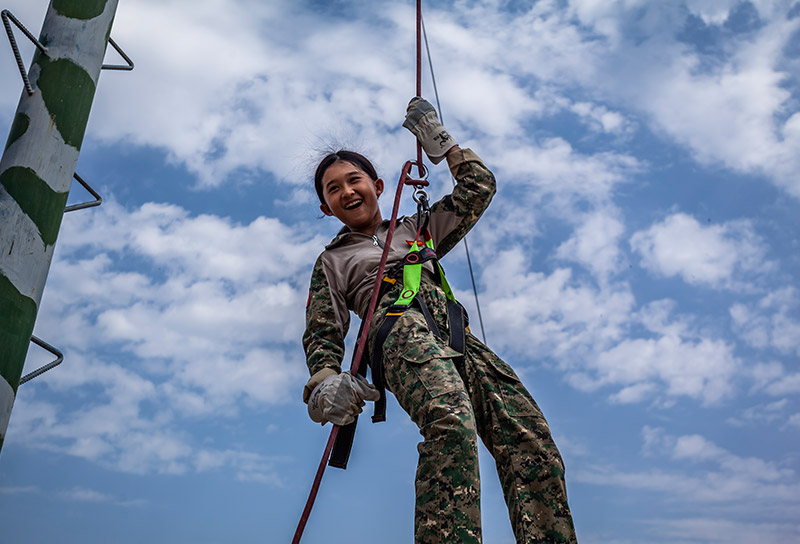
452,397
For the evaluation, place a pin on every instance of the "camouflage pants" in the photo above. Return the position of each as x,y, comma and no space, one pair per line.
453,403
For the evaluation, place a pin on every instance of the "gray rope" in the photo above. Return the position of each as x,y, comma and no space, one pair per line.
466,245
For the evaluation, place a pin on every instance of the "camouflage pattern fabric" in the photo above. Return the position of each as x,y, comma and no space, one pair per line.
453,401
323,339
470,197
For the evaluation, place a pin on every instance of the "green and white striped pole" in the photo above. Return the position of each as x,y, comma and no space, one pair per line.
37,167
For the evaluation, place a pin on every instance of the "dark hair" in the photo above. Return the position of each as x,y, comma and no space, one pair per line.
356,159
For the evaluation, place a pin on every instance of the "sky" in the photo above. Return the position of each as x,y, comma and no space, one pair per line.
638,267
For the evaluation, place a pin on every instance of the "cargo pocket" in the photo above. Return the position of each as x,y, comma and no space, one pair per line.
411,340
503,368
418,367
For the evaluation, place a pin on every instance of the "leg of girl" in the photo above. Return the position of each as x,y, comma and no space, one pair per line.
516,433
430,389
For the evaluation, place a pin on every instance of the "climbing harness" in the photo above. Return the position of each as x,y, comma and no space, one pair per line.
410,268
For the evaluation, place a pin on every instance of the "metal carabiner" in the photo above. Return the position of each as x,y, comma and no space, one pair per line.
420,196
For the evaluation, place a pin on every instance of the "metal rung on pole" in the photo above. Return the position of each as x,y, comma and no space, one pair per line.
98,199
41,370
9,18
122,54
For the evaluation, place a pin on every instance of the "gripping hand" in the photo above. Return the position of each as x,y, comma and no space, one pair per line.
339,398
422,121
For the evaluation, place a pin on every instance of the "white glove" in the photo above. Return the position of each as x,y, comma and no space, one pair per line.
339,398
422,121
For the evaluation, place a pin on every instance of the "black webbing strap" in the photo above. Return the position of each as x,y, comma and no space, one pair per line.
426,313
376,363
340,453
457,324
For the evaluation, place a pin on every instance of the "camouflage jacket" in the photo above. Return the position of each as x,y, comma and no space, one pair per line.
344,274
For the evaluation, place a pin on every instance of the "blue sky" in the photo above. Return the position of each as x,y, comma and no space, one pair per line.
637,268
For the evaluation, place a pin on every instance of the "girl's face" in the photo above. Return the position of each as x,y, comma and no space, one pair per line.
352,196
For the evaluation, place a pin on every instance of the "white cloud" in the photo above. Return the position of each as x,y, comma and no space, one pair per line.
712,12
600,117
120,436
762,414
208,287
723,531
738,482
634,393
701,369
556,173
557,315
730,113
786,385
603,17
597,117
732,106
674,360
750,86
76,494
771,322
773,379
249,467
697,448
718,256
595,244
85,495
587,332
764,373
18,490
207,314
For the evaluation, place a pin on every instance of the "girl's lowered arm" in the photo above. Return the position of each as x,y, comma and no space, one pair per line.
323,340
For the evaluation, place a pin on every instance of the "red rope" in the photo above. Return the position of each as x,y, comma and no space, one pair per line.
359,350
419,78
375,290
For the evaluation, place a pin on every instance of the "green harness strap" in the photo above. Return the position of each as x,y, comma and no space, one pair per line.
412,276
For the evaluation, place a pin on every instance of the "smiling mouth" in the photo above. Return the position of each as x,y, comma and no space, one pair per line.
353,205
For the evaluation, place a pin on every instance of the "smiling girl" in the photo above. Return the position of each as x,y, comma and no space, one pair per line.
453,397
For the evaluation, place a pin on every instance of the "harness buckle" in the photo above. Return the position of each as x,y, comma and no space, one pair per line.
396,309
420,196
